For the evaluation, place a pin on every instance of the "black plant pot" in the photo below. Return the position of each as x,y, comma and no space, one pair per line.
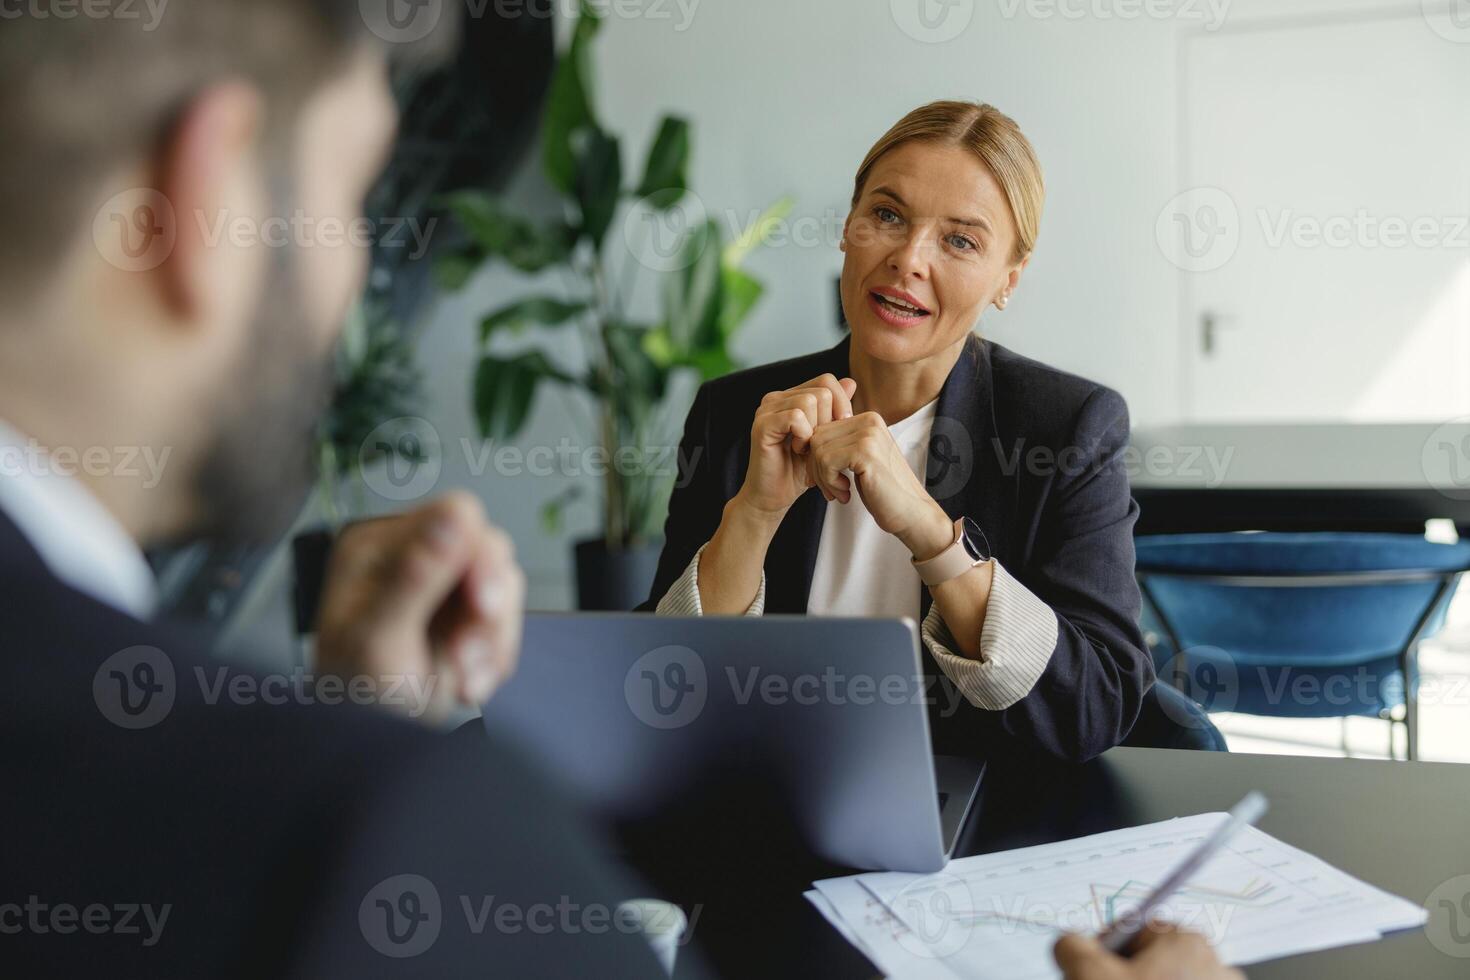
617,579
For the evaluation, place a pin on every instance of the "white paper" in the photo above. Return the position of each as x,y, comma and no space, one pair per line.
998,915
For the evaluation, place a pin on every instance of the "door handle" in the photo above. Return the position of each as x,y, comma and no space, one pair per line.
1210,323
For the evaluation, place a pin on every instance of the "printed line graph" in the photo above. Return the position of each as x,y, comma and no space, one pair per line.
999,914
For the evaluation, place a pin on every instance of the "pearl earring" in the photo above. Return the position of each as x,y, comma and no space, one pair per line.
1005,298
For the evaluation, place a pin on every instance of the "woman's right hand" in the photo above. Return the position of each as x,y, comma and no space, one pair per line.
779,438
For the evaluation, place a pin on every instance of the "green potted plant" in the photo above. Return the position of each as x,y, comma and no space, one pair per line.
704,293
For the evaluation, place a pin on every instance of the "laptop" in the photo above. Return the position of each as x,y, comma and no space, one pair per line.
629,712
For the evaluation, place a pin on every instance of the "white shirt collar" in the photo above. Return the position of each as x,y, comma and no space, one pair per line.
79,541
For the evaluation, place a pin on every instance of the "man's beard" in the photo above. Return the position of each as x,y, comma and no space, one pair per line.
262,462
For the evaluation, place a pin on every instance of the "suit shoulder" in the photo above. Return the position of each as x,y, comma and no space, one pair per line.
1025,381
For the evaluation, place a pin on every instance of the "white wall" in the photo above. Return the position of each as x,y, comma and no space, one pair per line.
786,96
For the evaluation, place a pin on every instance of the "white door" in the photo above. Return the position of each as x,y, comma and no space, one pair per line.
1323,239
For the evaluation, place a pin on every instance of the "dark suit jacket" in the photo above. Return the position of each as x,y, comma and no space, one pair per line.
269,832
1034,456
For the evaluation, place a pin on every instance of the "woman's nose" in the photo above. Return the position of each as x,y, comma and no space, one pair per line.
911,258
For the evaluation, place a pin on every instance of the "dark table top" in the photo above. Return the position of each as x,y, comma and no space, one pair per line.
1404,827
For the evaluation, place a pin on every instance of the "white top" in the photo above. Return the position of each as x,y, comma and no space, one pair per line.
862,570
78,540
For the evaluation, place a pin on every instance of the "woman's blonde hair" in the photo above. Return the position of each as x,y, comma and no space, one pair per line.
993,137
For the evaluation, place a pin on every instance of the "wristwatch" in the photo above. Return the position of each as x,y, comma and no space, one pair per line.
968,550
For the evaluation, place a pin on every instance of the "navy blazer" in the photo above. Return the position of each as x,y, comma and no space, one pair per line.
284,839
1035,457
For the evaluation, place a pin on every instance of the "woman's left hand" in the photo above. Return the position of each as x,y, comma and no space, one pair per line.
898,501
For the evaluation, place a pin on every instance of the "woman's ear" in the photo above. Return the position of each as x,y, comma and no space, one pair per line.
842,245
1013,278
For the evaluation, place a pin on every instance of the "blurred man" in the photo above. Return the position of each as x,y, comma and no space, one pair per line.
173,277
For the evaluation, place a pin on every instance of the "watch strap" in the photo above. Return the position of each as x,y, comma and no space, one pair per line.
952,562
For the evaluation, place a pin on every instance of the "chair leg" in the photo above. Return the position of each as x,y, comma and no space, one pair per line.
1411,730
1392,728
1343,734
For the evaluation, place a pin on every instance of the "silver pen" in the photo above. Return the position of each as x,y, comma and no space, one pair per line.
1126,928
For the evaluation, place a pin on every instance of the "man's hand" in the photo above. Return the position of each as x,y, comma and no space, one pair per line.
426,606
1161,953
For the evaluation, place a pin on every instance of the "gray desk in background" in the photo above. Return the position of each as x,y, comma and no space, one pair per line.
1328,477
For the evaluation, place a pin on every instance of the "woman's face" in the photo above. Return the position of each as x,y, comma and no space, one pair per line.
929,245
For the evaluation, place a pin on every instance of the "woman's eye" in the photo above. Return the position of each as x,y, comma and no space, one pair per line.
885,215
962,243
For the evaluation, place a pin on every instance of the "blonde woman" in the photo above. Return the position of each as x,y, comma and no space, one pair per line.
917,469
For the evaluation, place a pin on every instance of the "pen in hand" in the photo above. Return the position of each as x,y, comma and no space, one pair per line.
1122,932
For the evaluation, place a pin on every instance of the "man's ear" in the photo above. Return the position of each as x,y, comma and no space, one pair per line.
211,176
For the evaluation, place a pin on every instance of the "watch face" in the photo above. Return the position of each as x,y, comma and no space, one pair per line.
975,543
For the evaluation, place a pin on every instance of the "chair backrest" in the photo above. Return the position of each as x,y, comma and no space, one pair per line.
1333,599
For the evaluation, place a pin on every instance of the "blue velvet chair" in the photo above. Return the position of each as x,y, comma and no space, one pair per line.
1318,625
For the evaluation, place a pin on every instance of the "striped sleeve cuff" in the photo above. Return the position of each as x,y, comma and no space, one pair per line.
682,599
1016,644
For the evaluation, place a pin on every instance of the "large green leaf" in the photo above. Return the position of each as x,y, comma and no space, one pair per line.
659,347
569,109
693,294
668,161
502,235
741,293
505,389
539,309
753,236
640,378
599,183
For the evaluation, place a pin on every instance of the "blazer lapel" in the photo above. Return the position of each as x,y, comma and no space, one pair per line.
963,473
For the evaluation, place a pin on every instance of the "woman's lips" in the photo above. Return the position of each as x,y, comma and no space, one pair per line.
893,315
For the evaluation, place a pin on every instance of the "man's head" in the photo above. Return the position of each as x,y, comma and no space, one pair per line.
180,239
